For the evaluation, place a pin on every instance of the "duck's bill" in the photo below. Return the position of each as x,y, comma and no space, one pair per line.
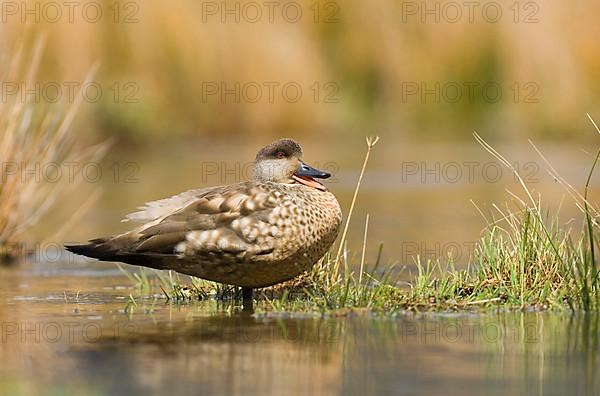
310,182
306,175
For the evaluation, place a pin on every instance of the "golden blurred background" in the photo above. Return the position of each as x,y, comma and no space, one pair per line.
373,54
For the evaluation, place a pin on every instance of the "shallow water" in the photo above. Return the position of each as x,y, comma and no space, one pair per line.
69,327
66,329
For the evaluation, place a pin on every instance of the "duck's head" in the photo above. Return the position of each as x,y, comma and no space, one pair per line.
281,162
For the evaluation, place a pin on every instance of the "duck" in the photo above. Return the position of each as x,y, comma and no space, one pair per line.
250,234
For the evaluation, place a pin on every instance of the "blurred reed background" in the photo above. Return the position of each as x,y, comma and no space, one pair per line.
357,64
369,50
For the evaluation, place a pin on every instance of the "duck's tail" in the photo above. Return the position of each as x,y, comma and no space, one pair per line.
116,248
104,249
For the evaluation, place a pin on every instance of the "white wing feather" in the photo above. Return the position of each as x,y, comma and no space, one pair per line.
157,209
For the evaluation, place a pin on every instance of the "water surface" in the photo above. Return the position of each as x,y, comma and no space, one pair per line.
70,327
67,328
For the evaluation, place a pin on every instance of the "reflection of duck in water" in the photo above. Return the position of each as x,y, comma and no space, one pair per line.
250,234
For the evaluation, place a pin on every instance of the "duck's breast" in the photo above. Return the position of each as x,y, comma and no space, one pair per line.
308,222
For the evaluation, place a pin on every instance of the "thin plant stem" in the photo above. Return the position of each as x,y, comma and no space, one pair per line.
587,212
371,142
364,248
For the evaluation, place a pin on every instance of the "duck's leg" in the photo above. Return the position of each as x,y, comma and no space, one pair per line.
247,297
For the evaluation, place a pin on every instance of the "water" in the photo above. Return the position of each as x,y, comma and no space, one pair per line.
69,330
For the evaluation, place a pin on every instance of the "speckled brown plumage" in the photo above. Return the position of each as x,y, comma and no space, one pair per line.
250,234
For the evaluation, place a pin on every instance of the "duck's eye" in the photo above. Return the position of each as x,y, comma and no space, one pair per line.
280,154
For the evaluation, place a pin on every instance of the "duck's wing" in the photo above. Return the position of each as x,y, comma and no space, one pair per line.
221,223
154,210
230,220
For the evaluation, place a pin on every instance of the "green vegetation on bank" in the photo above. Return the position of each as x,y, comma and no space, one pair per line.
524,260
